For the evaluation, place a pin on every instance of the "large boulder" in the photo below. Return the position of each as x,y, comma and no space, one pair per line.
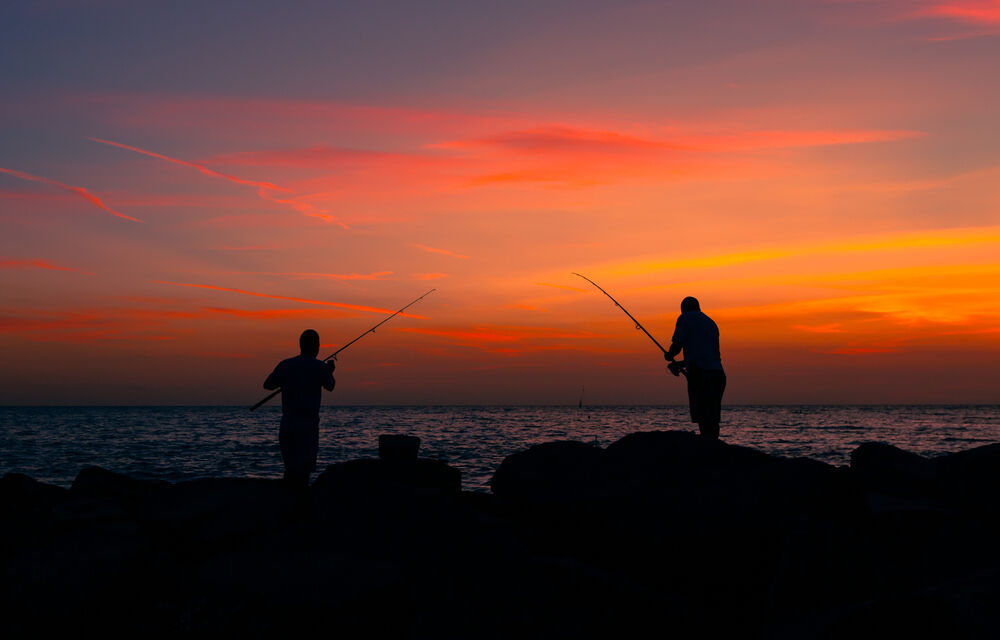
971,479
886,469
97,482
21,493
652,461
552,471
210,510
378,476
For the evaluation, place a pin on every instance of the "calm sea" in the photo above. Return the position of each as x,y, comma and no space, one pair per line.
52,444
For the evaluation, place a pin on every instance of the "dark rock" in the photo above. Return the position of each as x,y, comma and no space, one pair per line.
394,448
95,482
971,479
650,461
19,492
890,470
367,476
548,472
212,510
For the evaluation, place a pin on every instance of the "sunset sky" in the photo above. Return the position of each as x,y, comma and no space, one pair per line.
184,188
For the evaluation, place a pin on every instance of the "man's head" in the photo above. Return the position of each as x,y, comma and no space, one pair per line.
690,304
309,343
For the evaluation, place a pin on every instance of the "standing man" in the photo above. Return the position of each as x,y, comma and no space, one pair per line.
698,336
301,379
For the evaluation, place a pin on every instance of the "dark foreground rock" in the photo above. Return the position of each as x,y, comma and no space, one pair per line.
660,532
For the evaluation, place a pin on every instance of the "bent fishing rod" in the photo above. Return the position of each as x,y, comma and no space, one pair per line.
333,356
638,325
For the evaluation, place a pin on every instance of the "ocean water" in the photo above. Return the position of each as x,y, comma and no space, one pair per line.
52,444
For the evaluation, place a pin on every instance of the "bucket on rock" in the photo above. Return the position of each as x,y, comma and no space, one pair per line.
395,449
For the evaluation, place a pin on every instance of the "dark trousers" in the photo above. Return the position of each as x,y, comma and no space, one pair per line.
705,389
299,440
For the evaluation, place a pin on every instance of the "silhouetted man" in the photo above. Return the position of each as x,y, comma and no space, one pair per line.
698,336
301,379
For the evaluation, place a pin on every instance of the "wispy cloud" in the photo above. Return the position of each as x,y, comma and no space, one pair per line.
429,276
377,275
570,141
976,11
264,189
443,252
184,163
323,303
80,191
37,264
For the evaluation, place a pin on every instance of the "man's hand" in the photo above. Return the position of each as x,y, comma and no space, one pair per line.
331,365
668,357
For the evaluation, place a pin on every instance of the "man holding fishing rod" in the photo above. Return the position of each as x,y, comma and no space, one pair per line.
698,336
301,380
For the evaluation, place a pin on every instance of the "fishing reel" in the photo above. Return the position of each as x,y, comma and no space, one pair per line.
677,367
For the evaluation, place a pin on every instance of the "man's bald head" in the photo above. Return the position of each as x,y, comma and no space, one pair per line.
309,343
690,304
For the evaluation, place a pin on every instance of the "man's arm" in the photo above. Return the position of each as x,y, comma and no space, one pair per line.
329,382
274,380
675,348
677,342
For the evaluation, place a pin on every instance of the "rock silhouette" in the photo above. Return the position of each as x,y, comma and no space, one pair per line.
660,530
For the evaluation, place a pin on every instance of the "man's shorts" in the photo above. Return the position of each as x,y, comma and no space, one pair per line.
705,389
299,439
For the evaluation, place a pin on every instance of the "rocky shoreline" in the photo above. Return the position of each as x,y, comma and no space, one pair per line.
659,530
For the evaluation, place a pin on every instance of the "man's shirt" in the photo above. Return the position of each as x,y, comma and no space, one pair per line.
301,379
699,336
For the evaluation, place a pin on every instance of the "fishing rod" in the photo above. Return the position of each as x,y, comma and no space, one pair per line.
333,356
638,325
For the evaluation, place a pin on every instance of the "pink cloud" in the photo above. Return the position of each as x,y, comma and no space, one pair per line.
184,163
80,191
264,189
324,303
979,12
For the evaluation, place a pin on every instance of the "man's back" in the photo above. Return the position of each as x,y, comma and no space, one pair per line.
699,336
302,380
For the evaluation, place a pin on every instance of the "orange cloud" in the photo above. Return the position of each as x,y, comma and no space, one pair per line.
37,264
570,142
502,334
561,139
981,12
305,208
90,325
936,238
80,191
276,314
324,303
378,275
443,252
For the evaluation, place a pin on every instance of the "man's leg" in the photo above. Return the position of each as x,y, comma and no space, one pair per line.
709,429
294,453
